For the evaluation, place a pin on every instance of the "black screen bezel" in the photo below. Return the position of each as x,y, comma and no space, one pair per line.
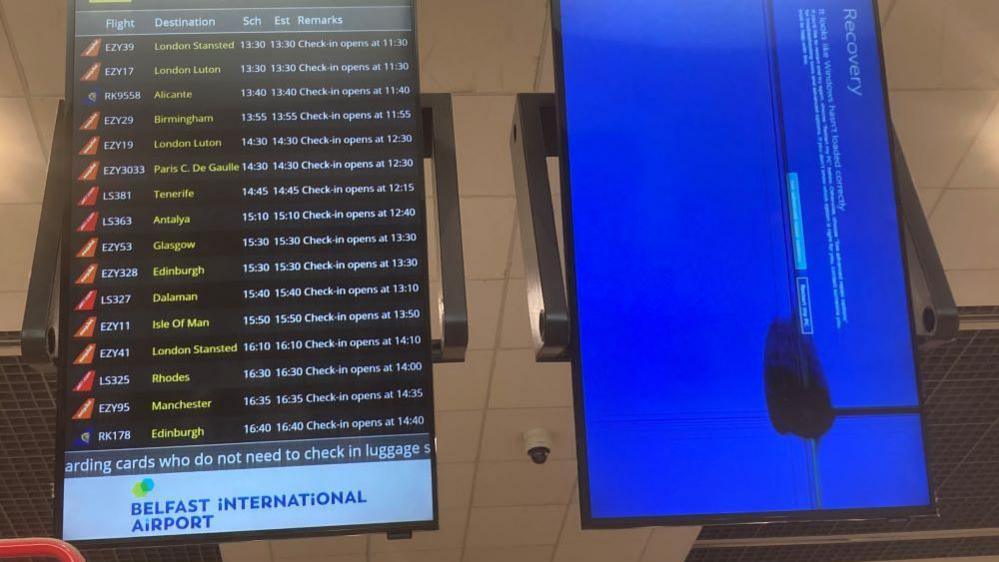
63,347
586,513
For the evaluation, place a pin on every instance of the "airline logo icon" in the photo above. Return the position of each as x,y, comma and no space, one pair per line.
86,330
93,49
90,148
85,411
92,73
88,250
84,439
91,122
89,199
87,303
92,98
86,356
90,173
88,275
89,224
86,383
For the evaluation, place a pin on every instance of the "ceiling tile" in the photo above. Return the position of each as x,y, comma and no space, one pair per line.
433,241
485,298
331,558
932,44
975,287
12,310
434,291
519,381
10,82
546,73
600,550
884,6
555,181
970,43
44,111
463,386
515,554
18,222
524,483
516,322
486,224
514,526
254,551
302,550
480,46
482,126
980,167
452,555
458,435
24,167
966,228
929,198
38,29
454,484
450,535
912,39
503,436
937,128
429,181
670,544
517,259
624,545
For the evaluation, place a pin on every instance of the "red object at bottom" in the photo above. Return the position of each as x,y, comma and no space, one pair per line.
45,548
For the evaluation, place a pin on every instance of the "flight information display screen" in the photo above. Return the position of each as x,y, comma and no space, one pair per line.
744,346
245,310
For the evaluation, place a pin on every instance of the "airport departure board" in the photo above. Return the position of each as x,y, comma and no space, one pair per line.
246,340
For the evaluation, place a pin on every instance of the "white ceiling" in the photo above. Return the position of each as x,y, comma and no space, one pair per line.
495,505
943,69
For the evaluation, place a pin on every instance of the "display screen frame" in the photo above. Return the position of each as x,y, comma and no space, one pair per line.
588,520
64,163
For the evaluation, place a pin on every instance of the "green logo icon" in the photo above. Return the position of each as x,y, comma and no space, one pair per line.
143,487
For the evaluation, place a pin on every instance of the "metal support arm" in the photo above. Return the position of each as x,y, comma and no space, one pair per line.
933,304
534,138
40,327
439,145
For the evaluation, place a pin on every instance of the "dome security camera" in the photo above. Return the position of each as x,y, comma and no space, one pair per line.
538,445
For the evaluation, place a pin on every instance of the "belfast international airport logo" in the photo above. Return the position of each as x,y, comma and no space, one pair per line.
143,487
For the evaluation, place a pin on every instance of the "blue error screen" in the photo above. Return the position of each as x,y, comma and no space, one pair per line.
744,343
